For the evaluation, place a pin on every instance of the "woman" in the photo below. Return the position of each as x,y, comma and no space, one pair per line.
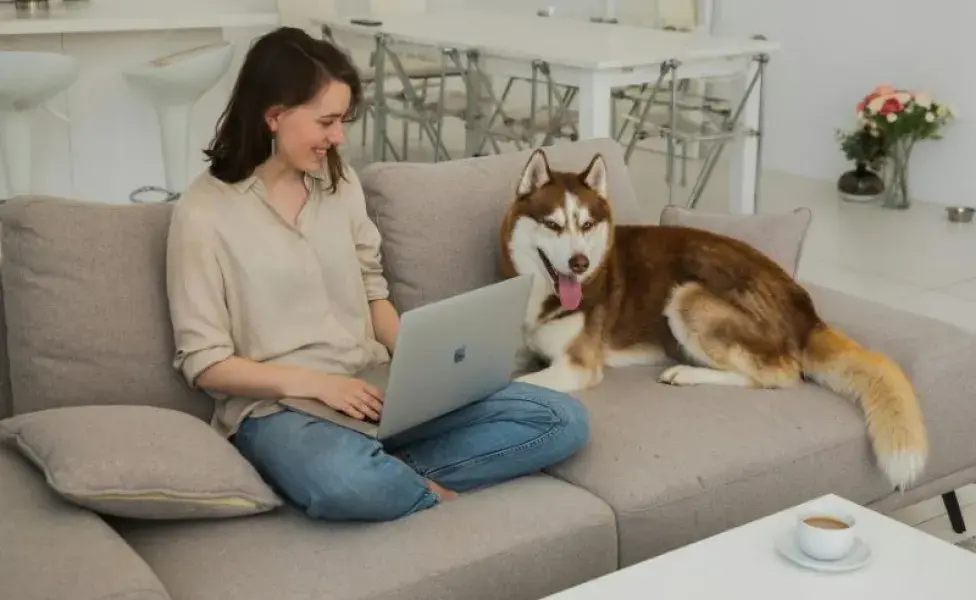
276,290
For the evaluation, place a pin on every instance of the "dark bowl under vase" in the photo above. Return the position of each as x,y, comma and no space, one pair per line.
860,185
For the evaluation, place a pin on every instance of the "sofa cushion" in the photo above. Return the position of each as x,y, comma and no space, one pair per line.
142,462
520,540
52,549
446,216
779,236
86,308
678,464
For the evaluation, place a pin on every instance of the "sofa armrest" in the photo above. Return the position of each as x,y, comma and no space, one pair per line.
911,339
936,356
52,550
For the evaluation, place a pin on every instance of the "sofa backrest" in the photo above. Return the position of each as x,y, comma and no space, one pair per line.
440,221
85,304
84,283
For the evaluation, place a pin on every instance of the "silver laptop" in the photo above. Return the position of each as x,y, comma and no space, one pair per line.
449,354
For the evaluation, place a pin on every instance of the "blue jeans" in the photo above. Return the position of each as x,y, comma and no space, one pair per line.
339,474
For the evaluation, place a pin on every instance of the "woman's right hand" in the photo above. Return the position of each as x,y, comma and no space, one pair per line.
348,395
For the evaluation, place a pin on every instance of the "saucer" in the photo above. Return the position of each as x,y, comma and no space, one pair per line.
859,556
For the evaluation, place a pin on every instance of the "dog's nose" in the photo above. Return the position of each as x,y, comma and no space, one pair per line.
578,263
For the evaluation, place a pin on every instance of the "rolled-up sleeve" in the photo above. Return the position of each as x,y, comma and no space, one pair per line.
195,288
368,242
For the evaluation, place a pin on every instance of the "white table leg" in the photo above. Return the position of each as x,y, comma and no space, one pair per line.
744,157
594,106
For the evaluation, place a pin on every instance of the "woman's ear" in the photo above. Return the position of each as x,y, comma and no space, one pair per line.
272,116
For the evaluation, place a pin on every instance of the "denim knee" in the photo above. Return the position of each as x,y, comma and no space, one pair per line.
570,416
574,422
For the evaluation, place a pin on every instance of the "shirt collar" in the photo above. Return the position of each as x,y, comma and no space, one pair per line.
247,183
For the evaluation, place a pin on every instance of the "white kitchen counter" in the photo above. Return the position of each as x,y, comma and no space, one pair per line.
102,16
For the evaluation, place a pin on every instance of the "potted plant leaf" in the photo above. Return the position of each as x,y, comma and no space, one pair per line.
867,149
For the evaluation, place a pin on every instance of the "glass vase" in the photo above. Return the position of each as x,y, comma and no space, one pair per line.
896,187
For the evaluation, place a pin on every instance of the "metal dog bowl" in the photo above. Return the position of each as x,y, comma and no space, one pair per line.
960,214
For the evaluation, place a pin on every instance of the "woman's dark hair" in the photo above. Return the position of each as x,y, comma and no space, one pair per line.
285,67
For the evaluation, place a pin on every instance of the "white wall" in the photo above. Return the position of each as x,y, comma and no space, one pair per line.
835,51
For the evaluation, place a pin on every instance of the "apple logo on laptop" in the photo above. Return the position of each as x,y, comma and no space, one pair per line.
459,354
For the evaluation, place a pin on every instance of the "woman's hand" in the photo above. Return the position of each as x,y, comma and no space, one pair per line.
243,377
348,395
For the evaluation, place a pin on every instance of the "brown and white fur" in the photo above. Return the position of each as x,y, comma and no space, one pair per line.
649,295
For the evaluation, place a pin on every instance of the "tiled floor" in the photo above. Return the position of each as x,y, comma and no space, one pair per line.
914,260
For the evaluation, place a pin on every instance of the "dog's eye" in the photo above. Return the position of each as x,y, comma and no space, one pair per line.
549,223
587,226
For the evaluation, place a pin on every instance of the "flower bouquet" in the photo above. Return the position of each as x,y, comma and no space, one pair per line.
901,118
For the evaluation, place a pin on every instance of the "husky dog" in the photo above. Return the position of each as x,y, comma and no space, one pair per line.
610,295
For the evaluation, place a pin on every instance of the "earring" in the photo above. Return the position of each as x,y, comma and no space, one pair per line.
274,145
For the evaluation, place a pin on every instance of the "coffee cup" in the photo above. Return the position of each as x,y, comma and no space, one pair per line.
826,535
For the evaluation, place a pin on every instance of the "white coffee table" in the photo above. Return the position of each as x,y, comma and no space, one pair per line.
743,563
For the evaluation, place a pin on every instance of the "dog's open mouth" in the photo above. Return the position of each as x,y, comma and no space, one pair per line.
568,287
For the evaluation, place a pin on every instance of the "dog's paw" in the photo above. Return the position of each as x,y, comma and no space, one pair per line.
553,378
687,375
678,375
540,378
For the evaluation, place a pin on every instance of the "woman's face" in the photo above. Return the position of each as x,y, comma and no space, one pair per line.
304,133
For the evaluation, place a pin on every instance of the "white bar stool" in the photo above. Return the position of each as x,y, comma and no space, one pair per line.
27,81
173,84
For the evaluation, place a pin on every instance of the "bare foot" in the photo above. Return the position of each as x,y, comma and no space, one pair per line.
442,492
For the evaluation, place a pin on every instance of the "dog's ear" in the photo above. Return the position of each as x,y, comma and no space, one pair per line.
535,174
595,175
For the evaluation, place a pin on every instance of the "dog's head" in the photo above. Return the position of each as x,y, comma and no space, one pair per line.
560,226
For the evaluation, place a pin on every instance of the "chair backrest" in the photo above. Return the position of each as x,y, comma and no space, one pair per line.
681,15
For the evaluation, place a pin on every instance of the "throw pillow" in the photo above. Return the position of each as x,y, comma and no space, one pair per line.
778,236
140,462
87,316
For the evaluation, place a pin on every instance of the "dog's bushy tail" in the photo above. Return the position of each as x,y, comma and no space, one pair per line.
894,418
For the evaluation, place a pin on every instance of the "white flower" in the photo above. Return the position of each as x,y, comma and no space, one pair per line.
892,117
902,97
876,104
930,117
923,100
942,111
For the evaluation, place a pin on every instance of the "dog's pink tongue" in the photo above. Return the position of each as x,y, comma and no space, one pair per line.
570,292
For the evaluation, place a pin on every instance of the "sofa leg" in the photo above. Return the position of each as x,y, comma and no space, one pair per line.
955,513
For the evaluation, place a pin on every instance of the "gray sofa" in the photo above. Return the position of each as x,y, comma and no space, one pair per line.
86,324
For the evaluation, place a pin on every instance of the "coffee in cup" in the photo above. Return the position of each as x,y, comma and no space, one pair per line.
826,535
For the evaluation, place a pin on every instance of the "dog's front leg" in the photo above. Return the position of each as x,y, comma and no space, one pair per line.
563,376
555,340
525,361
